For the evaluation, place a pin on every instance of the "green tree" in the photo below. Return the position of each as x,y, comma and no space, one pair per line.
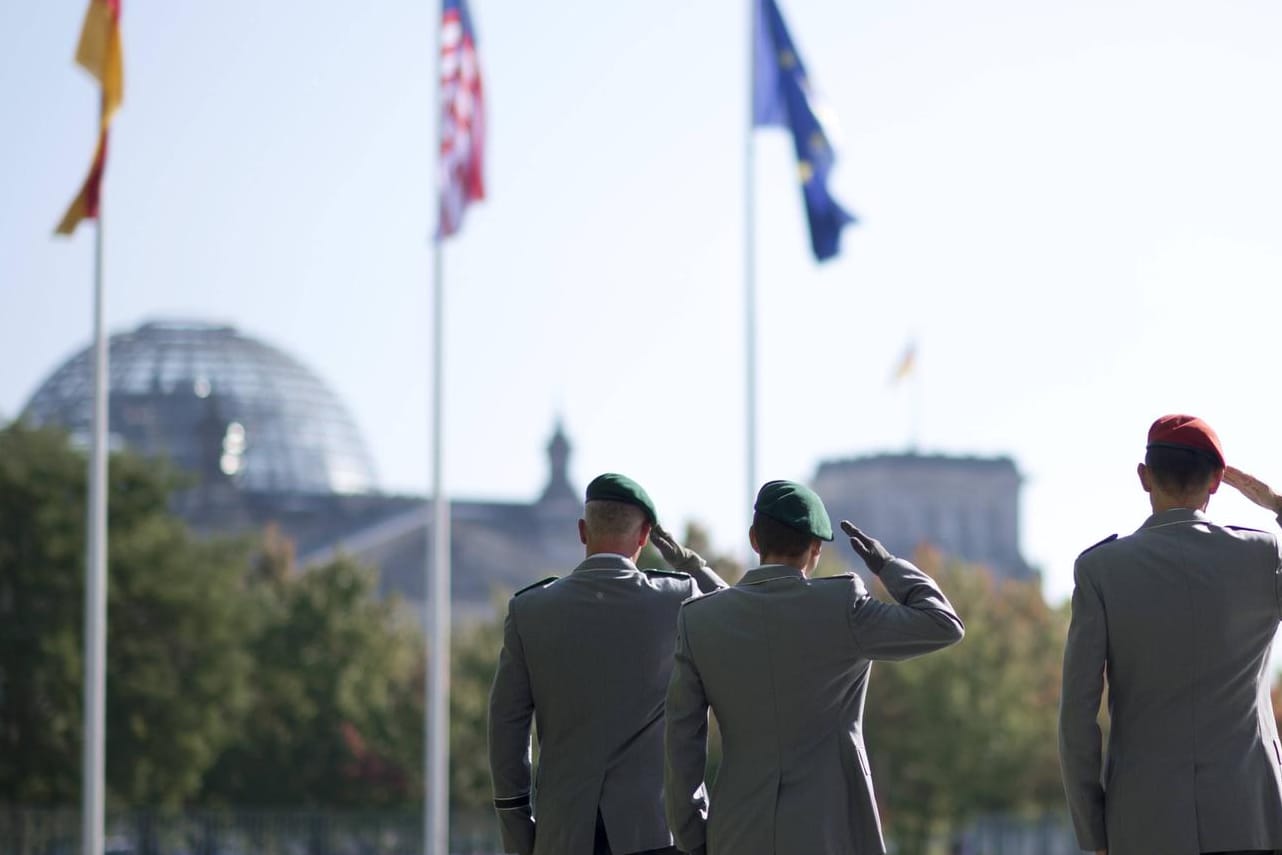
176,668
331,719
475,654
972,729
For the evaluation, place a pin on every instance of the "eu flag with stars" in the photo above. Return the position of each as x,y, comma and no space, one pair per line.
781,97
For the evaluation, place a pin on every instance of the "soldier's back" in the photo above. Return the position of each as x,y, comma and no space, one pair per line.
1191,610
786,682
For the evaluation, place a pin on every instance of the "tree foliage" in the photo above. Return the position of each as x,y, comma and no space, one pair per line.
229,679
972,729
334,669
176,667
475,654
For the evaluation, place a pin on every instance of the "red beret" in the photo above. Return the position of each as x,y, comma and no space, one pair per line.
1179,431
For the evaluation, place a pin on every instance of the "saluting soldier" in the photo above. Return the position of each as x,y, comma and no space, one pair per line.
783,661
587,657
1180,616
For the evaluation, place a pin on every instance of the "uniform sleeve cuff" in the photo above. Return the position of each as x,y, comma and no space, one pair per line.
512,802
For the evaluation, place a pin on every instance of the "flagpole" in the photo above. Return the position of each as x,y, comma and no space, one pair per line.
436,782
915,429
750,270
94,765
437,590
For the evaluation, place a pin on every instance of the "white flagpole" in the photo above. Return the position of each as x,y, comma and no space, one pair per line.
915,431
94,765
436,782
749,269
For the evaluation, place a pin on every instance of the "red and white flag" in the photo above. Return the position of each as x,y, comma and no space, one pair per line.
462,119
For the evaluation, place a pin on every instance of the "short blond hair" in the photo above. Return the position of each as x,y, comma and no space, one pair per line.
607,519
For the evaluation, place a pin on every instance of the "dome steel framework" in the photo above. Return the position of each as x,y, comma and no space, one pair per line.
217,403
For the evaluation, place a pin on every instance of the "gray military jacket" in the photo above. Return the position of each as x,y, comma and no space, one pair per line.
783,661
1180,616
587,657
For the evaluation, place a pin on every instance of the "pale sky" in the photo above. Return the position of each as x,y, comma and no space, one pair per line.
1071,207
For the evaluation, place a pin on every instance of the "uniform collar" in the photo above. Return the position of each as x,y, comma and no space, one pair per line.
606,561
1175,516
770,572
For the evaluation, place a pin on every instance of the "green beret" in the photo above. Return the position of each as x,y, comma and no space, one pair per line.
612,487
796,506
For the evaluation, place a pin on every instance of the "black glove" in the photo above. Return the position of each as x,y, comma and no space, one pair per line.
870,550
674,553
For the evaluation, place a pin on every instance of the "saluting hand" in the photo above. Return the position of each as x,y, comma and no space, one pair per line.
674,553
870,550
1253,488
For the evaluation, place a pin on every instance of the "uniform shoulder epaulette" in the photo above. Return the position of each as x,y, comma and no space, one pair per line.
542,583
675,574
828,578
705,595
1247,528
1109,539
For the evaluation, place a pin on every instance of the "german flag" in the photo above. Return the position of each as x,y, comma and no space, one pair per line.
906,364
100,54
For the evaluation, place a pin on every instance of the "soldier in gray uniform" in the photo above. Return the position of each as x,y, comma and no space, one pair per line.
1180,618
587,657
783,661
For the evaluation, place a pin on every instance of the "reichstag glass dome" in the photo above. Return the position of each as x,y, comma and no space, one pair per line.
219,404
